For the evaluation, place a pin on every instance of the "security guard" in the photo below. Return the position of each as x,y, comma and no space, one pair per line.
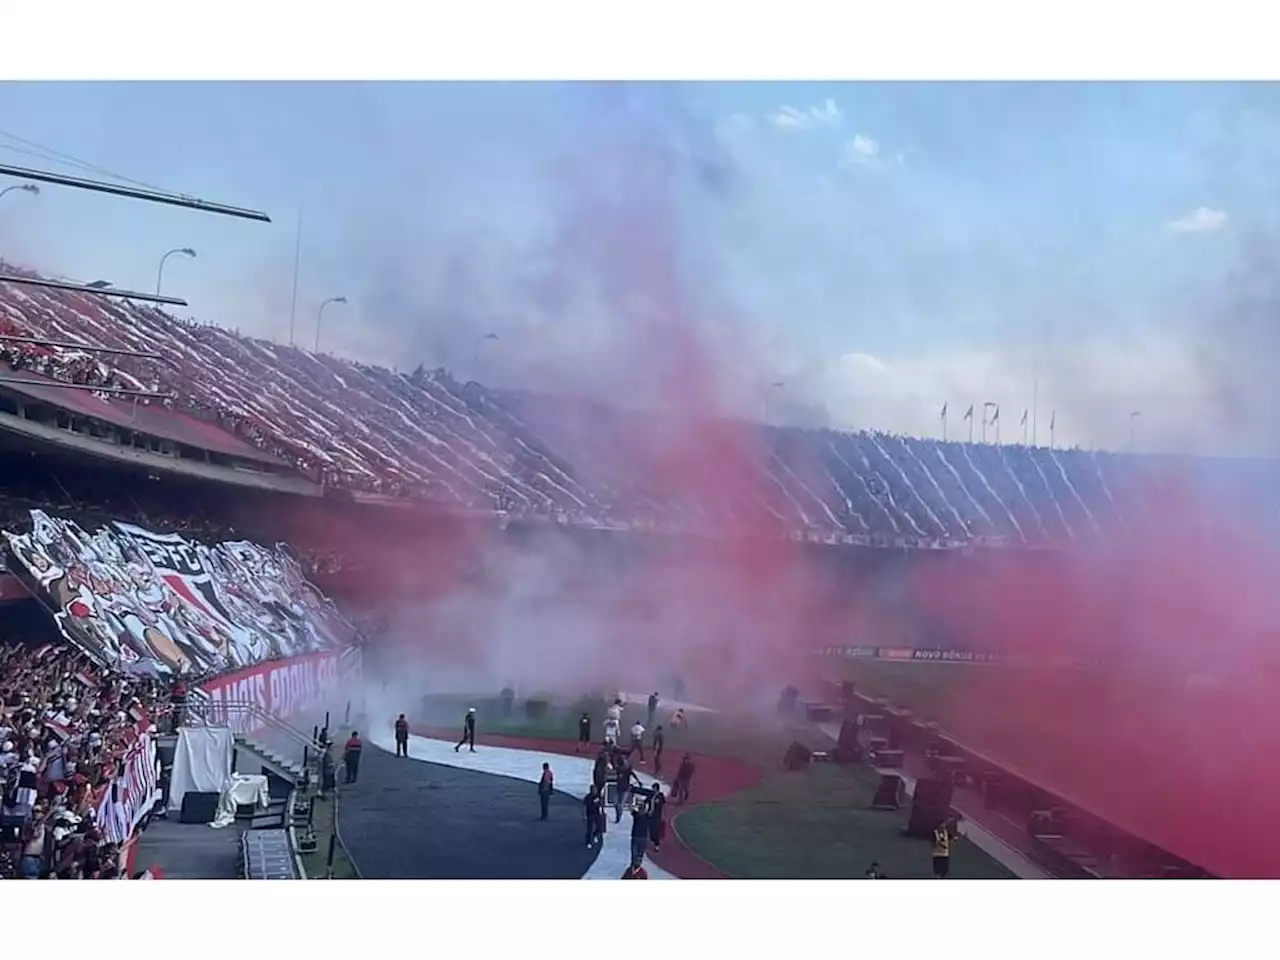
942,850
351,756
402,736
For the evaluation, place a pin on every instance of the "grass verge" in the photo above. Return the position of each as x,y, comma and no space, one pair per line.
323,821
817,825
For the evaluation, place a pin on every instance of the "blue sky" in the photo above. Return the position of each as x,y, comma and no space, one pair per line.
881,247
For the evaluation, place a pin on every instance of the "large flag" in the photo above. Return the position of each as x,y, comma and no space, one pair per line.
943,415
968,414
995,417
1023,421
1053,419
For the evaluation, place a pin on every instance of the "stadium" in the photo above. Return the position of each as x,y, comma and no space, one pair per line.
228,559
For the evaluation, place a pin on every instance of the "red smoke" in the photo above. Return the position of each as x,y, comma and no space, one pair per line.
1175,737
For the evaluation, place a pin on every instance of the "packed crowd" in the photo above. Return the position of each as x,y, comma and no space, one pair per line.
425,435
64,726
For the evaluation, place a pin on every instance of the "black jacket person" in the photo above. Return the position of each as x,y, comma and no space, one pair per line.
684,779
402,736
584,730
622,771
351,756
659,742
468,731
593,810
657,821
639,830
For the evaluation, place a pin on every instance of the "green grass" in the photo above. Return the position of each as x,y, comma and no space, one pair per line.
752,740
811,825
817,825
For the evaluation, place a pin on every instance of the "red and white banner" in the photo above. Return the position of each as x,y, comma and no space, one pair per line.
133,793
280,689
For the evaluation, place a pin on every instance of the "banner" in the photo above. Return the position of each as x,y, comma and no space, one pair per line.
282,689
132,794
158,602
935,654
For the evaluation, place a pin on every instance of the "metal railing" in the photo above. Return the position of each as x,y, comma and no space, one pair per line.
247,718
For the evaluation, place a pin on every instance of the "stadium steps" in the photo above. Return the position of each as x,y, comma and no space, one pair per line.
271,758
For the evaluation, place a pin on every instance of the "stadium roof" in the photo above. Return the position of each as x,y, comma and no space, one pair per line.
149,419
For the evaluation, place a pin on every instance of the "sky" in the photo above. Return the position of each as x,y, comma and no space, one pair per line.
1084,251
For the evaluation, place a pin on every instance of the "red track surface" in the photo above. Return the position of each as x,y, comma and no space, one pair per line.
716,778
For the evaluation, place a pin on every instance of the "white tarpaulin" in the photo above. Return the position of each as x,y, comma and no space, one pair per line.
243,789
201,762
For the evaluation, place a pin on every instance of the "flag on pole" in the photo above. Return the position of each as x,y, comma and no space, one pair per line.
995,417
968,415
943,415
1023,421
1053,419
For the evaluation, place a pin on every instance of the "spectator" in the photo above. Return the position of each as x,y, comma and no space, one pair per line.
65,724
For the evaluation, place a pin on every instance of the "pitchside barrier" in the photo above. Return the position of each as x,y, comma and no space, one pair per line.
947,655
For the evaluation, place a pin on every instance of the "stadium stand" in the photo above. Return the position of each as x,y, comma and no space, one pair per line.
354,435
376,433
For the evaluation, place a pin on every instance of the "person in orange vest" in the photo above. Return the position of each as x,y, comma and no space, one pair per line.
351,756
546,787
402,736
678,719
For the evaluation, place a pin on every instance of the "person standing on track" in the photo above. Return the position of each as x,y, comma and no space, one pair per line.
657,818
402,736
942,850
351,756
584,731
593,810
600,771
622,773
640,821
546,787
468,731
653,708
613,723
637,739
684,779
659,740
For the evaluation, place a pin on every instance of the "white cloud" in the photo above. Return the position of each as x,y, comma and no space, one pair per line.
1092,385
805,118
1200,220
862,151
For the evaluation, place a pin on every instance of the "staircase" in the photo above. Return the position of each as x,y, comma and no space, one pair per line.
290,749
